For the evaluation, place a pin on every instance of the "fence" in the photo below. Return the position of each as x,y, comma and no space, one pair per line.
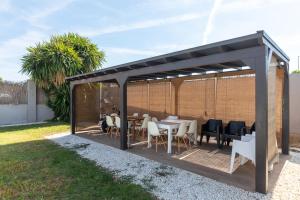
23,102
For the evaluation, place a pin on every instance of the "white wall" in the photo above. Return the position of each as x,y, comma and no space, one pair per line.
295,103
44,113
13,114
17,114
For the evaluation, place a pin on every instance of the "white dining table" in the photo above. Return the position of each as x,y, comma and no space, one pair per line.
188,122
169,126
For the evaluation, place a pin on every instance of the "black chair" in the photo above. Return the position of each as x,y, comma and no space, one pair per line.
252,129
212,128
234,130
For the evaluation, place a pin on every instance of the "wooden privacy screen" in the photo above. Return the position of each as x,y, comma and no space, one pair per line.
227,98
197,99
137,98
235,99
155,98
87,105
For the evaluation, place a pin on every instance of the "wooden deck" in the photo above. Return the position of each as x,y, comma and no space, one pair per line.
206,160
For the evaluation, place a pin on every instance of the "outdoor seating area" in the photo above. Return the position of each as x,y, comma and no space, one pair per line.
198,108
179,138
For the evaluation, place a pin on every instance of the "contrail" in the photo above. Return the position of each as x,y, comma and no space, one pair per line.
209,25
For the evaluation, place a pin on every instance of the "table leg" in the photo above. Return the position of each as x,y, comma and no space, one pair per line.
195,135
169,140
149,141
133,124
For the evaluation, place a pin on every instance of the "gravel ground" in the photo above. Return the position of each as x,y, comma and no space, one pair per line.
167,182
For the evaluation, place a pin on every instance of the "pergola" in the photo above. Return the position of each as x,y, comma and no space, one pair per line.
257,52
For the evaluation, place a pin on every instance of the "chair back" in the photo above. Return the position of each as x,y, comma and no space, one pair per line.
235,127
145,115
173,117
118,122
135,114
192,127
109,121
114,114
154,119
152,128
212,125
181,130
145,122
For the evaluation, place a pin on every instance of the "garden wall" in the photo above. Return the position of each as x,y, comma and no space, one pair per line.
23,102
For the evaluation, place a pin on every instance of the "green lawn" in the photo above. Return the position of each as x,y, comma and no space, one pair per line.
34,168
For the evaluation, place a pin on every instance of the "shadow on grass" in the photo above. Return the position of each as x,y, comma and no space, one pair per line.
43,170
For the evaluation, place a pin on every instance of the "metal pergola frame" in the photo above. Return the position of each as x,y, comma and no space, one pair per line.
257,51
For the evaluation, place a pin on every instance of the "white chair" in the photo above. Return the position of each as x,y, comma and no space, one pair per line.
135,114
192,130
181,135
144,126
154,119
154,132
110,124
245,148
118,125
172,117
145,115
114,114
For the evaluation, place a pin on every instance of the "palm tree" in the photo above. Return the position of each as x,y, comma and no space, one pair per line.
49,63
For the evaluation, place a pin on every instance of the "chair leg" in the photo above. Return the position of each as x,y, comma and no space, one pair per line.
243,160
207,138
185,143
201,137
156,143
223,140
178,147
162,141
228,141
232,161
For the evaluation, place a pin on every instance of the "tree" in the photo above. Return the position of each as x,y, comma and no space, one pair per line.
1,80
49,63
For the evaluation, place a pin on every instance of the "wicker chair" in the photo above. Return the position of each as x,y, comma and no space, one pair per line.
212,128
234,130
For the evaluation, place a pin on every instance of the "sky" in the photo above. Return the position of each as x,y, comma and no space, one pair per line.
130,30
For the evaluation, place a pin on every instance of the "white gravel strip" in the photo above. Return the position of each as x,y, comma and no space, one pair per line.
167,182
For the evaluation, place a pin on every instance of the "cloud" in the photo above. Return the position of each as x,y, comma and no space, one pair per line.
5,6
12,50
142,24
210,21
36,16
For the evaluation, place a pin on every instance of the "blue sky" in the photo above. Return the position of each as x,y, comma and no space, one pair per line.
134,29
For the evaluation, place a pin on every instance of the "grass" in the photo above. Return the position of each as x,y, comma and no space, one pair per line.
34,168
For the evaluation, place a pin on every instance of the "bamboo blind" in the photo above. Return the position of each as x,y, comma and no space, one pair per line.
160,99
197,99
227,98
236,99
137,98
87,105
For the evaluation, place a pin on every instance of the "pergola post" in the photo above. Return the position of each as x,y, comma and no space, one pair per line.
285,112
72,108
122,81
261,115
